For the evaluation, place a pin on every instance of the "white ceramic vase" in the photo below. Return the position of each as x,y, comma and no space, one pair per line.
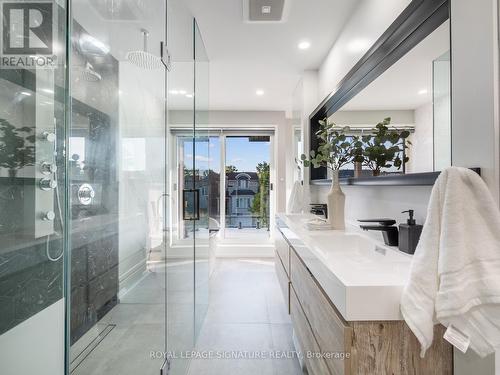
336,204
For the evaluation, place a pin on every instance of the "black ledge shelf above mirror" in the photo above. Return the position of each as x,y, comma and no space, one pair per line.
410,179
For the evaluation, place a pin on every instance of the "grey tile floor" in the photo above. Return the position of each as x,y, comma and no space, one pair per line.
139,327
246,314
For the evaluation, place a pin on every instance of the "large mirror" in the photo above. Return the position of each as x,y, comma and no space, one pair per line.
410,96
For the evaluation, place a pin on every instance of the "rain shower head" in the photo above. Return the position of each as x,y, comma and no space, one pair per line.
89,74
143,59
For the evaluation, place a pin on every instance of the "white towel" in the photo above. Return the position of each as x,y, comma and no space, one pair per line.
455,273
295,201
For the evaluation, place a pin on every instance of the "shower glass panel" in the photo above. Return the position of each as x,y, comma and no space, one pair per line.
32,180
180,252
188,165
202,165
117,187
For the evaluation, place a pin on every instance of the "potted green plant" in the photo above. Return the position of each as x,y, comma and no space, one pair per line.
335,151
383,148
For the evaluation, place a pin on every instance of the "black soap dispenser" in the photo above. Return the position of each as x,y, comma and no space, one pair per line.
409,234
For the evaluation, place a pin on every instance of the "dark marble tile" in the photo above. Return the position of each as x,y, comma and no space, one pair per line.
31,284
79,267
103,288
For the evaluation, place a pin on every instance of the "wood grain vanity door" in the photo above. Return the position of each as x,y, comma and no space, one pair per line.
333,334
283,250
282,280
391,348
308,344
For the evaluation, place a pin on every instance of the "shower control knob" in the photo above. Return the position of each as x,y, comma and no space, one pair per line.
47,184
49,216
48,168
49,137
85,194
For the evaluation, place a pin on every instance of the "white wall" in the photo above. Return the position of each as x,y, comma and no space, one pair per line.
475,135
35,346
474,56
305,100
363,202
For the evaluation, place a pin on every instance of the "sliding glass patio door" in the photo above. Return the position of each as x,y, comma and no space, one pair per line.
248,177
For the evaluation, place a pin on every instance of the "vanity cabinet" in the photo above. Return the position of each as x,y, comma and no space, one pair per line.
283,251
332,333
283,279
315,365
334,346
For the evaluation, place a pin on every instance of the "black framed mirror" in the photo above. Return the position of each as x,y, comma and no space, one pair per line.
405,75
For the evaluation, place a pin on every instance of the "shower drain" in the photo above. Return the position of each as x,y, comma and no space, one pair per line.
90,347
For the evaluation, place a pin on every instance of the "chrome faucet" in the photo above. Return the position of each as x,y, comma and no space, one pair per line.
319,209
386,226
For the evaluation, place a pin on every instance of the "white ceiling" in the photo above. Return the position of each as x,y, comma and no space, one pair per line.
246,56
398,88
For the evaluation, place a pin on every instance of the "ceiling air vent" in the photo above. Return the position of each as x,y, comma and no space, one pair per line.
264,10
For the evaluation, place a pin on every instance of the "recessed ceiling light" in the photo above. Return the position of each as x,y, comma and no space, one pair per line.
182,92
304,45
259,92
266,9
189,96
174,92
423,92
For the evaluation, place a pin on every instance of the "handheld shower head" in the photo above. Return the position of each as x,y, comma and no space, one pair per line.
143,59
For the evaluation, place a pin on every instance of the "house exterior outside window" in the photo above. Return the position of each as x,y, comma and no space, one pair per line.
241,190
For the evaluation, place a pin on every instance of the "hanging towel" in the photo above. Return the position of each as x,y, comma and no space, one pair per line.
455,273
295,201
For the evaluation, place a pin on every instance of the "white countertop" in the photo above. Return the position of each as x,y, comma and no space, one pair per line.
362,277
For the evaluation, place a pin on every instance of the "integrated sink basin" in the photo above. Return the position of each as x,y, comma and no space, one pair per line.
361,276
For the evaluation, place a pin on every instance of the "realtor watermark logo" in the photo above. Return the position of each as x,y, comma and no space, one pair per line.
28,30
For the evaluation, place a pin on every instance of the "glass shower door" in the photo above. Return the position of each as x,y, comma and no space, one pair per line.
205,182
117,189
189,168
180,266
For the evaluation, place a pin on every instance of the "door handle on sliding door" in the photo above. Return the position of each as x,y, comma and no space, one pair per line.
191,204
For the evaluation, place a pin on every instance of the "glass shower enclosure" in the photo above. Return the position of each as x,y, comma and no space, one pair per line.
91,281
